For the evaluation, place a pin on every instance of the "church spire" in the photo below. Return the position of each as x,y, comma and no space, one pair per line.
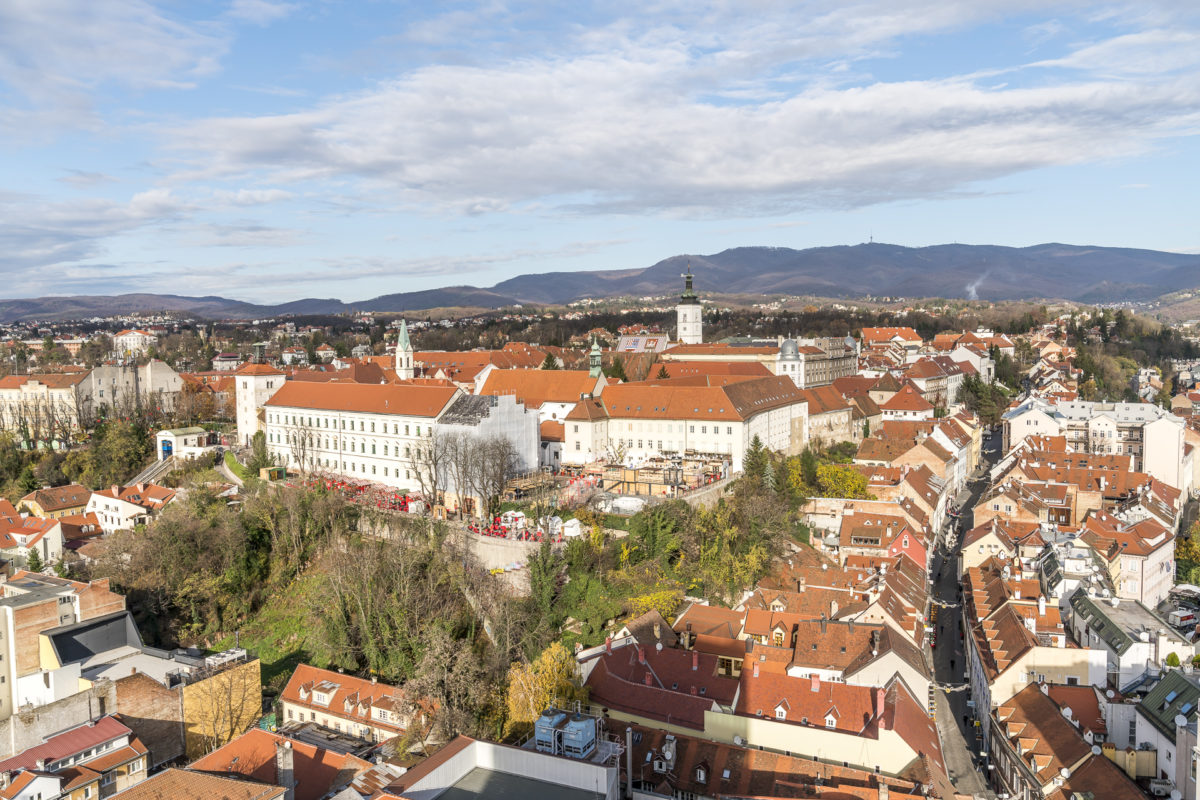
404,353
689,294
594,357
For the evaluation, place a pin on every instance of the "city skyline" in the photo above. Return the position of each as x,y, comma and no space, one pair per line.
270,151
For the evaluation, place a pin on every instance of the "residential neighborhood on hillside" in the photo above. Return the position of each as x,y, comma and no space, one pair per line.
878,565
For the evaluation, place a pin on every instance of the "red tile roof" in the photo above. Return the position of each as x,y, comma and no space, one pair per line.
662,686
316,769
411,401
907,399
533,387
69,743
359,695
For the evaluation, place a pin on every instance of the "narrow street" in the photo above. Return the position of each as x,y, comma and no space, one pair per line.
955,719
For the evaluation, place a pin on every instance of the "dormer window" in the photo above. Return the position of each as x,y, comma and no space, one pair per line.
830,722
701,775
780,712
660,765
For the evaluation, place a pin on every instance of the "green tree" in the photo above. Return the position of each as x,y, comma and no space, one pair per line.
616,370
549,362
662,373
544,568
1172,659
34,561
755,460
260,457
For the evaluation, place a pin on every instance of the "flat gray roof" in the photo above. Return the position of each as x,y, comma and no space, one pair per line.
481,782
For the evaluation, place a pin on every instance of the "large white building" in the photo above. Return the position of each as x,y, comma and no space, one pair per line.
1151,435
132,343
632,423
375,432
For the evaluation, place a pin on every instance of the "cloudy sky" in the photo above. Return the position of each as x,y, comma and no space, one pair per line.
270,150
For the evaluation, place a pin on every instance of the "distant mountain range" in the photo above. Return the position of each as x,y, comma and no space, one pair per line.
984,272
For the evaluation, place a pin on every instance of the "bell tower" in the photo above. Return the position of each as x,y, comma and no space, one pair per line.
404,354
594,358
689,324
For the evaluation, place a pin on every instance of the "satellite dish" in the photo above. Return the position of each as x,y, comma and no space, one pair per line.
658,647
1066,773
668,754
1110,694
1180,721
1096,750
1176,794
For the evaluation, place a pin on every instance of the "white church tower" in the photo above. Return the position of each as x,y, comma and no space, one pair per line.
689,324
404,354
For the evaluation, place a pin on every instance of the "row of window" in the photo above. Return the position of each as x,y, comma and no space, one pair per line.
327,422
333,444
361,469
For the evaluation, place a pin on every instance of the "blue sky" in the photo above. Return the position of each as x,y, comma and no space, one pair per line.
269,150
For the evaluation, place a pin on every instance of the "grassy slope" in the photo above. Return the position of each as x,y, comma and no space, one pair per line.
282,635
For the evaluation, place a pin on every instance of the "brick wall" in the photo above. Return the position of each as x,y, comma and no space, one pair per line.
28,623
97,600
154,713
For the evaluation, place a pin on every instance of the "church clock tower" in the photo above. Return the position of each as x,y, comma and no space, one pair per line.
689,324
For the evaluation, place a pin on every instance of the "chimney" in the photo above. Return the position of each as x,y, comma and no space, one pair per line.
695,660
608,644
884,791
141,487
285,770
880,697
641,654
657,630
693,689
1041,605
822,621
41,765
116,490
816,682
649,679
756,669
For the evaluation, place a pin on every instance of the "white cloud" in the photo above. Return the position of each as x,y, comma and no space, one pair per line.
55,53
38,235
82,179
625,131
1152,52
259,12
252,197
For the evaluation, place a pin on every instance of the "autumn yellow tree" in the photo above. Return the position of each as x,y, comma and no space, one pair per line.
534,687
848,482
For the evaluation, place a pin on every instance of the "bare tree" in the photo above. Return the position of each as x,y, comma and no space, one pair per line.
461,457
427,458
302,444
497,463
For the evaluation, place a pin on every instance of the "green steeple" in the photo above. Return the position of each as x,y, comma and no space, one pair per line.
594,359
689,295
402,342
